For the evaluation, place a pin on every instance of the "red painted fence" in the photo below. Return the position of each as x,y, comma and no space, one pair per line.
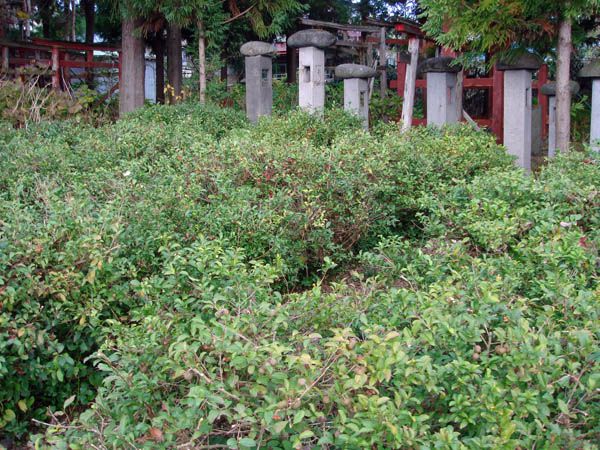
494,84
59,56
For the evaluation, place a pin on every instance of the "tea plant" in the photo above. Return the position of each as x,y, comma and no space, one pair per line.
183,279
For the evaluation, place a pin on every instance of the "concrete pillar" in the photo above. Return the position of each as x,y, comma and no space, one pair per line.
356,89
595,124
441,98
517,115
311,83
443,105
549,89
356,98
592,71
311,95
517,107
259,79
551,126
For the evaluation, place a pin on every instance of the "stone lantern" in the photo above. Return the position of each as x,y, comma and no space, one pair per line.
549,89
592,70
356,88
259,78
311,83
517,106
443,98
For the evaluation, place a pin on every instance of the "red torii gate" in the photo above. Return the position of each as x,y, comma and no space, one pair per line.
59,56
494,83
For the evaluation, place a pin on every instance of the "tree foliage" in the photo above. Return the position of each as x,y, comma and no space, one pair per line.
484,26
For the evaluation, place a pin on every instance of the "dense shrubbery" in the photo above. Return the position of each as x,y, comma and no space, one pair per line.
154,269
25,101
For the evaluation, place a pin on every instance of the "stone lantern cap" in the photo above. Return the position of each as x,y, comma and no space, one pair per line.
257,48
591,69
311,38
526,61
442,64
550,88
345,71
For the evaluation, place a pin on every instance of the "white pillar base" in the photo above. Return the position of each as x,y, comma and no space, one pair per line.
551,126
259,87
442,107
595,124
517,116
356,98
312,79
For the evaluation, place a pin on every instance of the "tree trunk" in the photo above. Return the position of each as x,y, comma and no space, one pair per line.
90,19
73,20
408,99
202,62
383,63
132,67
563,93
67,17
291,59
174,62
46,17
159,51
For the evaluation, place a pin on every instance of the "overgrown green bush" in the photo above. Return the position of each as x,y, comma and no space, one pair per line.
170,280
444,346
26,100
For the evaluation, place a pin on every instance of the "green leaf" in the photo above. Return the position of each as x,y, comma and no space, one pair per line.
279,426
68,402
306,434
247,442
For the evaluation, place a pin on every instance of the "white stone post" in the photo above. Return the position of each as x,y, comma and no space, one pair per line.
595,124
356,89
311,64
311,95
549,89
443,106
592,71
551,126
259,79
356,98
517,107
517,115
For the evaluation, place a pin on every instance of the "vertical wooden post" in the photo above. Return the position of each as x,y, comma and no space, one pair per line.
89,71
543,99
55,68
120,69
383,62
66,72
5,64
409,86
400,76
498,104
459,94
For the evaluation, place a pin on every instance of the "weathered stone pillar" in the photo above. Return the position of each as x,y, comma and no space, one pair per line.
356,89
442,91
259,78
549,89
517,106
311,82
592,70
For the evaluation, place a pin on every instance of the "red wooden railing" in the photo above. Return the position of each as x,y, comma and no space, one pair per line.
494,83
59,56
